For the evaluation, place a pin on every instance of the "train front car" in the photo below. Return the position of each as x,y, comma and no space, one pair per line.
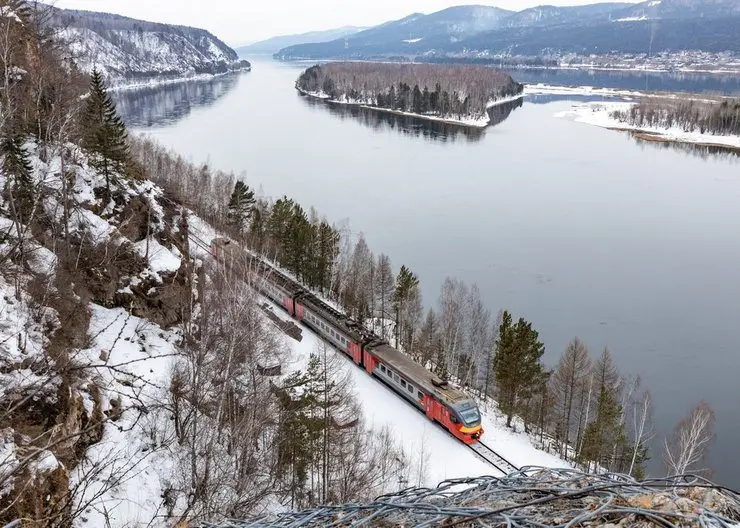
466,421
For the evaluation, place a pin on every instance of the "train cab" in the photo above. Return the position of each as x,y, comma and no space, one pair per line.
467,421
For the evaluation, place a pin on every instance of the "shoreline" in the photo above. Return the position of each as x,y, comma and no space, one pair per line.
734,72
617,93
663,71
154,81
479,123
599,114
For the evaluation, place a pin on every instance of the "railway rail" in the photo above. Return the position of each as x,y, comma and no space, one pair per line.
493,458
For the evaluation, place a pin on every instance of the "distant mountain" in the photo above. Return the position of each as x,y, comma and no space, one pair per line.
551,15
129,49
407,35
477,31
274,44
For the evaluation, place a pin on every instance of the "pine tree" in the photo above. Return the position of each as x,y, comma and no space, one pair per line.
241,206
440,367
516,364
16,165
406,284
605,430
103,132
327,250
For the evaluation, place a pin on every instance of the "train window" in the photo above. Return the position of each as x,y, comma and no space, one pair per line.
382,368
403,383
411,389
421,395
453,418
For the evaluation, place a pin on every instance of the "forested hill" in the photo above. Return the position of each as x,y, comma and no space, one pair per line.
647,27
431,90
129,49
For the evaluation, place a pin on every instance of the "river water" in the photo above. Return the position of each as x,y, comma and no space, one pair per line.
584,231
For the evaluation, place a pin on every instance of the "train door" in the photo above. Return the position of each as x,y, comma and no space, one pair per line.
369,361
355,350
429,404
289,305
298,309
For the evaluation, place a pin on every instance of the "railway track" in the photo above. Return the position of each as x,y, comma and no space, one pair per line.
482,450
493,458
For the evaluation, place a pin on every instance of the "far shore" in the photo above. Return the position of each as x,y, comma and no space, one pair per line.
122,85
477,123
599,114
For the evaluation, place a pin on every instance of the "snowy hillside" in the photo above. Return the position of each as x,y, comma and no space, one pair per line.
129,49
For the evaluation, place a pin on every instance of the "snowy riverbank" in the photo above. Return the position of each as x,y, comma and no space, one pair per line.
600,114
122,86
473,121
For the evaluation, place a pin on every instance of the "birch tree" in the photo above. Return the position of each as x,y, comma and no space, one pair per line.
687,448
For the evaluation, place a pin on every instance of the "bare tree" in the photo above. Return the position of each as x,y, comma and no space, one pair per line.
687,448
567,382
642,431
384,287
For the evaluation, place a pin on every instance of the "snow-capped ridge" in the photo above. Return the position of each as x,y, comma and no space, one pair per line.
125,48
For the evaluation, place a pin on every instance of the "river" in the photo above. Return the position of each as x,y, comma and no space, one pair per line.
584,231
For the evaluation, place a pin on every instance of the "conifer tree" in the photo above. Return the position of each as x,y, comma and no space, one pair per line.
407,285
241,206
16,165
516,364
440,367
605,430
103,132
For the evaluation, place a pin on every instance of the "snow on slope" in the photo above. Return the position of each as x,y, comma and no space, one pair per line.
127,359
133,49
600,114
141,354
429,446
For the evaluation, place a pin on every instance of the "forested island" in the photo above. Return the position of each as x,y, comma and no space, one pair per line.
456,93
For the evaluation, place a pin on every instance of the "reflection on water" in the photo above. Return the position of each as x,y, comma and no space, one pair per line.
166,104
704,152
415,126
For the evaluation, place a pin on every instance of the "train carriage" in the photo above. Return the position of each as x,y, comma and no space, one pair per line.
442,403
451,408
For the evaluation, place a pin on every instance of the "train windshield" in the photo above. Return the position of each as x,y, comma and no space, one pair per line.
469,413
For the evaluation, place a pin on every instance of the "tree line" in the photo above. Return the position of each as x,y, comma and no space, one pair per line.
716,117
425,89
583,409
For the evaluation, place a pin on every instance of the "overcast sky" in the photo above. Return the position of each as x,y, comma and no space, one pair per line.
243,21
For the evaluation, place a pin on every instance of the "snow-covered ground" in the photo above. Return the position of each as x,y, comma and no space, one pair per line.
122,86
626,95
600,114
136,373
428,445
549,89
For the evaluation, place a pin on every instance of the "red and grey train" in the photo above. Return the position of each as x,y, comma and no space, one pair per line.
452,408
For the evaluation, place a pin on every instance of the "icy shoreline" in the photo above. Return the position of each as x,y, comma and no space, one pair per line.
473,122
600,114
553,89
154,81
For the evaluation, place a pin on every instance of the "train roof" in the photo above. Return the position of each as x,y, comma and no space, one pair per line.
353,329
417,374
